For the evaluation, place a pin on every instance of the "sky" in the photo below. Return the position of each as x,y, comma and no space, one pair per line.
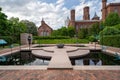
54,12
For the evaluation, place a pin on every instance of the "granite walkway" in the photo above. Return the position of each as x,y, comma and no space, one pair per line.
60,60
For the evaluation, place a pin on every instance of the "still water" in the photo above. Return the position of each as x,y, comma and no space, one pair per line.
26,58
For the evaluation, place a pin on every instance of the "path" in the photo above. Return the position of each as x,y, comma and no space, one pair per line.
60,60
59,56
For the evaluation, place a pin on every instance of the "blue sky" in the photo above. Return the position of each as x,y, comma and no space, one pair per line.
54,12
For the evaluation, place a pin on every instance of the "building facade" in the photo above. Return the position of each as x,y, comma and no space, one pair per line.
44,29
87,22
112,7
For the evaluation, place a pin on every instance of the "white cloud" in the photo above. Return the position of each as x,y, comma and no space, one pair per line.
60,1
94,6
34,10
53,13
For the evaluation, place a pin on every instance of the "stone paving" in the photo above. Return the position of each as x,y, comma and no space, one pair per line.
59,75
37,74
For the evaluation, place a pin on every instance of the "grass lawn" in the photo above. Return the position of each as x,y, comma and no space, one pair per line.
64,41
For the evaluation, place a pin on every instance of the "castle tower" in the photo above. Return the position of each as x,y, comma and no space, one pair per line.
73,15
72,21
104,12
86,15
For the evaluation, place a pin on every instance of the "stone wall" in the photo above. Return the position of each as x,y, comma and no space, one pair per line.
24,38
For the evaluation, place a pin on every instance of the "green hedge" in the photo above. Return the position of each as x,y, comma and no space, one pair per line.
64,41
50,37
110,40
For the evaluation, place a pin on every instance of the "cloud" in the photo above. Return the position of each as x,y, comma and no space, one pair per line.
54,13
34,10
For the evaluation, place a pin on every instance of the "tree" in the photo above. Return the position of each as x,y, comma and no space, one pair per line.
83,33
95,29
110,31
31,27
117,27
71,31
55,33
112,19
3,23
16,28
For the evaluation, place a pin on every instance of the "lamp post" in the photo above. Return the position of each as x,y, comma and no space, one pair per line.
95,36
29,40
101,27
20,44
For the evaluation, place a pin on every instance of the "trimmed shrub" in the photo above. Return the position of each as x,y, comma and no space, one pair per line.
110,31
92,39
50,37
110,40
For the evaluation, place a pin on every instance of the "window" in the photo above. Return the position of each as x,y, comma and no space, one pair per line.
116,10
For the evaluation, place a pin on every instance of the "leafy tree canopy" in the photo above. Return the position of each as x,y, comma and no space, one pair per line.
69,31
3,23
112,19
110,31
31,27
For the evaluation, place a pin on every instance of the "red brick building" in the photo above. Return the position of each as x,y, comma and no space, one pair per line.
44,29
112,7
87,22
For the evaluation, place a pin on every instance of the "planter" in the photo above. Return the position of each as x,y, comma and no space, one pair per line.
60,45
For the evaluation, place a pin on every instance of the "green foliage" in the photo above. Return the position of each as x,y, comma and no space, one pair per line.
15,28
60,32
88,32
112,19
3,23
110,40
70,31
92,39
30,27
82,33
55,33
110,31
63,31
50,37
64,41
117,27
95,29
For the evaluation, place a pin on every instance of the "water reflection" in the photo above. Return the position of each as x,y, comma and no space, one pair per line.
24,58
95,59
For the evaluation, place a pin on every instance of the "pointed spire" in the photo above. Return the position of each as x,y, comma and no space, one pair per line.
42,22
95,15
68,18
42,19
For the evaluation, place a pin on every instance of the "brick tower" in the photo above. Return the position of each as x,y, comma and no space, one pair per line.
73,15
104,11
86,15
72,21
